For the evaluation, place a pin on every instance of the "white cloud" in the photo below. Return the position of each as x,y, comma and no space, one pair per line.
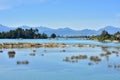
7,4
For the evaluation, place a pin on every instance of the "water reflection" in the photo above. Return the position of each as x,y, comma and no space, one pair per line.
34,50
90,63
42,54
63,50
104,54
115,66
32,54
24,62
104,48
107,53
1,51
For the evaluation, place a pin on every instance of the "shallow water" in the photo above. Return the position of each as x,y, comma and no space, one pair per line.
61,40
49,64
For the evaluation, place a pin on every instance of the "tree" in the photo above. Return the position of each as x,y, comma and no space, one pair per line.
116,36
104,35
21,33
53,35
44,36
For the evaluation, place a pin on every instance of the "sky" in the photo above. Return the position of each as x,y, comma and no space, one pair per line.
75,14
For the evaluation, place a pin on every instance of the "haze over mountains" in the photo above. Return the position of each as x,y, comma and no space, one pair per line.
64,31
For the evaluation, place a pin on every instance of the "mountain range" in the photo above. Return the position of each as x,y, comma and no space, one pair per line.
64,31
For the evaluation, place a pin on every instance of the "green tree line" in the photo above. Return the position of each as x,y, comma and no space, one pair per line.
106,36
25,34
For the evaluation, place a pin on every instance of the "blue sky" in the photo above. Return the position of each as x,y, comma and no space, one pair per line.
76,14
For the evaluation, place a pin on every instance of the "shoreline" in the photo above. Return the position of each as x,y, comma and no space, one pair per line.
47,45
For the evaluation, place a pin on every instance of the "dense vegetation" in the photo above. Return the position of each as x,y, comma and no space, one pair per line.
34,34
104,36
53,35
25,34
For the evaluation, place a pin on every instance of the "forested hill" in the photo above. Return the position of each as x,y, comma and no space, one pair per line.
25,34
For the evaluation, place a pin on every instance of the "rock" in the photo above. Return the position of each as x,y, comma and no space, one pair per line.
11,54
95,58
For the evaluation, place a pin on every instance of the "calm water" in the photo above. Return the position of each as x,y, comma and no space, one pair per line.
61,40
49,64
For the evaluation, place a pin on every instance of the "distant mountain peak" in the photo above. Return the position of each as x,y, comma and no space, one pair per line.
24,27
66,28
43,27
65,31
4,28
110,29
2,25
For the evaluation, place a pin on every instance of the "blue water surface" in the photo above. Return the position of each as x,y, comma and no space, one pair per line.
62,40
51,65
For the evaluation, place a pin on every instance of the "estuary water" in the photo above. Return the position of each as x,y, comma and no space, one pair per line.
50,63
61,40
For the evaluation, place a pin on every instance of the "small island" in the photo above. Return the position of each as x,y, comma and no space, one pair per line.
106,37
